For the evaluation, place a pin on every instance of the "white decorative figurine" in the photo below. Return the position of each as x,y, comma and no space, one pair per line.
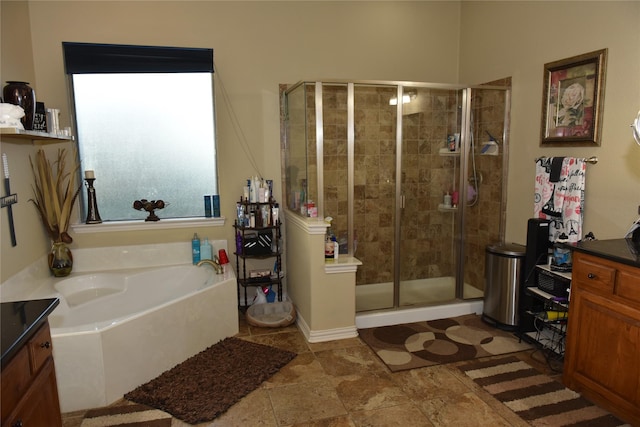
10,116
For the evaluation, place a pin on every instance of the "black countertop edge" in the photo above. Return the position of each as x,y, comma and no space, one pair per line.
623,251
20,321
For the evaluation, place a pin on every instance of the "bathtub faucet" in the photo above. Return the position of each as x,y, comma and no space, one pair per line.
213,263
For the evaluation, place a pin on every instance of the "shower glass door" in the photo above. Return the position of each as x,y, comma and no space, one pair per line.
374,194
485,163
430,157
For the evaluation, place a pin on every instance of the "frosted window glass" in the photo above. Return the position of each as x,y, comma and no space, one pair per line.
147,136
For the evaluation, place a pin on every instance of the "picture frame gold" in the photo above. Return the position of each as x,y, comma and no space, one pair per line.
573,99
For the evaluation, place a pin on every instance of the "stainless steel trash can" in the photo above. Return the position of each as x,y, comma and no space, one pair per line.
503,279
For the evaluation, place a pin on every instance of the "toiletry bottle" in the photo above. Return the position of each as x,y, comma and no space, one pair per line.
447,200
239,247
215,201
561,260
258,217
336,247
239,214
303,197
328,247
207,206
269,189
205,249
195,248
255,187
245,191
451,142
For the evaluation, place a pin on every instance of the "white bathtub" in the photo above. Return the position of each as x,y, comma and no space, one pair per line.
117,329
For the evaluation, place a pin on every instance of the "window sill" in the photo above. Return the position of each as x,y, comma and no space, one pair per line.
163,224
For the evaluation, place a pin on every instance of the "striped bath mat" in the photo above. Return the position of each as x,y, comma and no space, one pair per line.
536,398
125,414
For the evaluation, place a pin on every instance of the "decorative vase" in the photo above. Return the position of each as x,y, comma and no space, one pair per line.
20,93
60,259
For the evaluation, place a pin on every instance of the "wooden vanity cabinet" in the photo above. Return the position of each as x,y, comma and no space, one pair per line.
29,389
602,358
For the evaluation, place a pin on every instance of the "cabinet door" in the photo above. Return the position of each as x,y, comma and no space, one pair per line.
602,351
39,406
16,377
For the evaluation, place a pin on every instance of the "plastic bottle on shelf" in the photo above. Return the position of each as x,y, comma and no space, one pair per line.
238,243
195,248
447,200
328,248
206,251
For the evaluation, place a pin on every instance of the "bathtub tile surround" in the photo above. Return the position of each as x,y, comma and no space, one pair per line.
126,306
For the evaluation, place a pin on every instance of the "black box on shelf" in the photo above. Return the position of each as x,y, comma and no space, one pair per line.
258,243
552,283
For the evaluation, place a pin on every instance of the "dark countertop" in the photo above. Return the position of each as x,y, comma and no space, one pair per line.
618,250
20,320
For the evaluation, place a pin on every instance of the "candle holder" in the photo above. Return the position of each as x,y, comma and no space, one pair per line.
149,206
93,216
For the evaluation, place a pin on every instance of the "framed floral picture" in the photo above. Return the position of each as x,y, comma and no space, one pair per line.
573,97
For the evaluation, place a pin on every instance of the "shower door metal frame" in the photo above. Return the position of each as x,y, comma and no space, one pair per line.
465,147
399,202
319,149
351,143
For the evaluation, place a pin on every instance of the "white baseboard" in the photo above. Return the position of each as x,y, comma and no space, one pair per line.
325,335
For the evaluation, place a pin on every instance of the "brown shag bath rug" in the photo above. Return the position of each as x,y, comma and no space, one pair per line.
207,384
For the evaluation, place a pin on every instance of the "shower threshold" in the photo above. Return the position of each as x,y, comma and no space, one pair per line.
373,319
420,300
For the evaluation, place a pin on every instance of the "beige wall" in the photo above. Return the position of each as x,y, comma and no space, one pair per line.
258,45
16,63
517,38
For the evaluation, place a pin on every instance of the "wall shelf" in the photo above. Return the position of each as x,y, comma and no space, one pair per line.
443,208
32,135
447,152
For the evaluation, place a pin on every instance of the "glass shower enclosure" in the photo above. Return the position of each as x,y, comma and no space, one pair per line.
412,176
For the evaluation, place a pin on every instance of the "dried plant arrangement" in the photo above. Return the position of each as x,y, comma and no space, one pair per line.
55,192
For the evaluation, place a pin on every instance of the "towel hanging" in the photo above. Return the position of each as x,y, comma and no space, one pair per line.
561,200
592,160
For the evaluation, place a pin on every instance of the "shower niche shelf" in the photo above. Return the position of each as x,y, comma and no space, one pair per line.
443,208
447,152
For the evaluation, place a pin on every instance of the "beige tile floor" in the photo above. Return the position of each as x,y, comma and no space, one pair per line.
343,383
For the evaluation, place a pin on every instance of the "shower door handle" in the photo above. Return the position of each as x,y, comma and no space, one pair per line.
402,201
